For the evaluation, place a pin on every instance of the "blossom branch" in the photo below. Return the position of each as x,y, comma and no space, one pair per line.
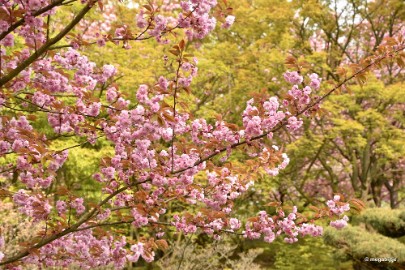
35,14
46,46
73,228
284,122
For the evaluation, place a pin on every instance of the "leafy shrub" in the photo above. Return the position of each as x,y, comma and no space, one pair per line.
389,222
358,243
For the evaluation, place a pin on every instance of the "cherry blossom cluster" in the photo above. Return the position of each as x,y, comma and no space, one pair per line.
82,249
187,225
86,251
35,206
280,225
275,111
266,157
10,134
16,136
97,30
213,224
270,227
189,72
140,250
28,7
76,204
223,190
338,208
262,226
193,16
141,134
31,31
317,42
300,98
68,118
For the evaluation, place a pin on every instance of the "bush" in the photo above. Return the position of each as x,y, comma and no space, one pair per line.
388,222
358,243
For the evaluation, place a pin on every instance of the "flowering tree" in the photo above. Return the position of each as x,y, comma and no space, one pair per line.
161,153
354,148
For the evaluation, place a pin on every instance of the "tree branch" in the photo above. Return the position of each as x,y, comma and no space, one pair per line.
46,46
285,122
35,14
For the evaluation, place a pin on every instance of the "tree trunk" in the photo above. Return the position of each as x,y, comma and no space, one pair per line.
376,191
392,189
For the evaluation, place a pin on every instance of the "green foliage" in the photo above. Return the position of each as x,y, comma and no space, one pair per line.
307,254
359,243
389,222
83,162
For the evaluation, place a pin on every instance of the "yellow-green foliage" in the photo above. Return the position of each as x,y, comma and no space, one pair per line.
390,222
310,253
359,243
81,164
